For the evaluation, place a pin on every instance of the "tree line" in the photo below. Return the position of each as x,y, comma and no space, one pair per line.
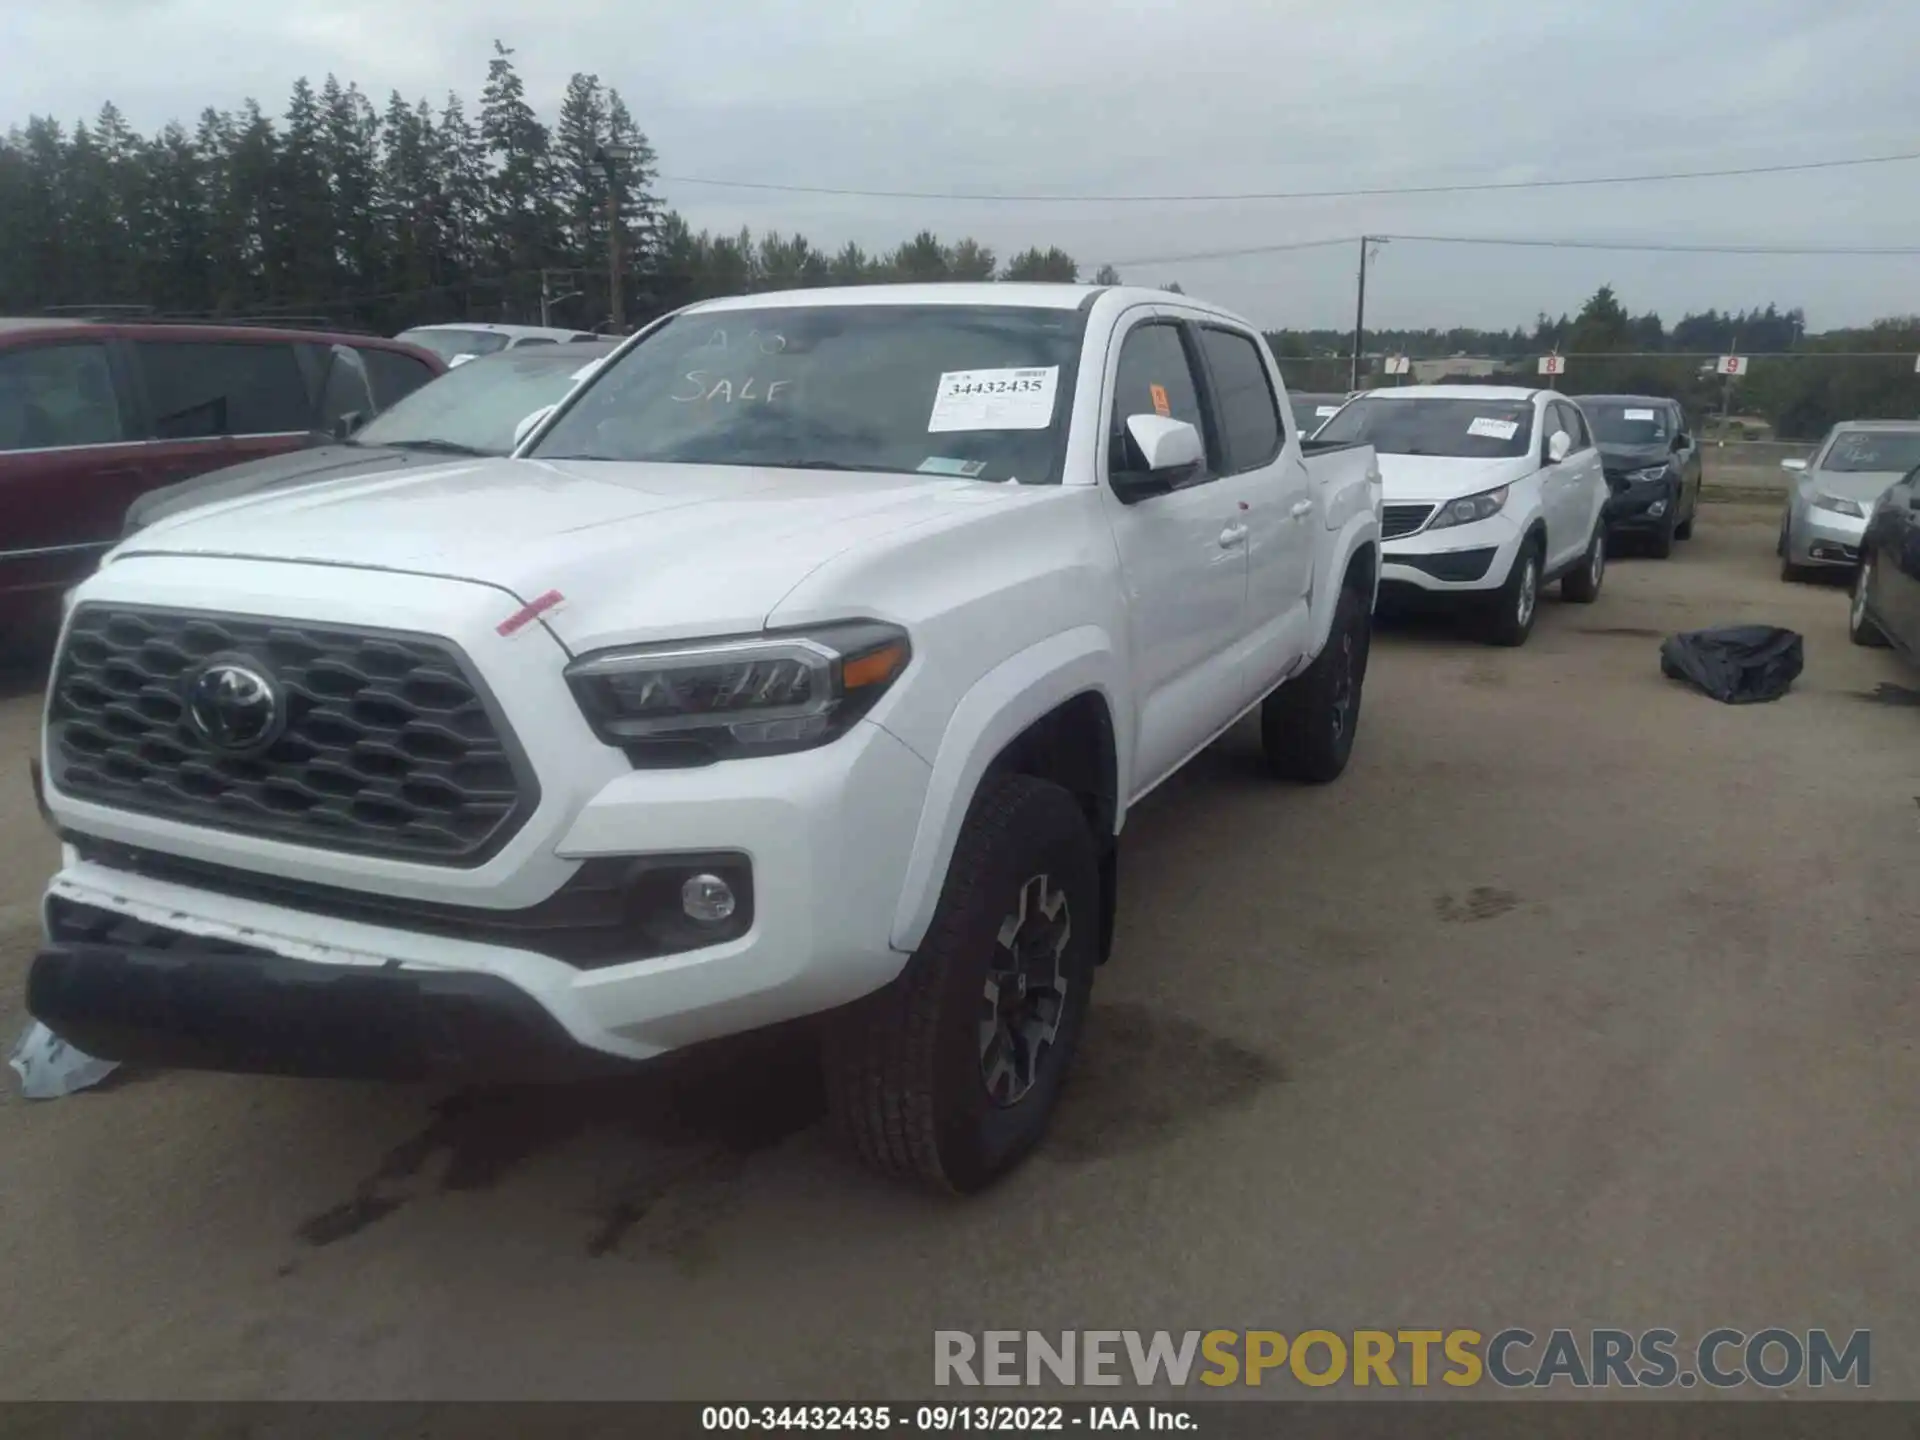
1799,385
396,216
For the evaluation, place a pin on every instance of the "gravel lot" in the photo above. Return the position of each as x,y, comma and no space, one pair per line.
1581,1000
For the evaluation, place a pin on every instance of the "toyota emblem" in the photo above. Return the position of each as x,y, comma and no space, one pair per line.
234,707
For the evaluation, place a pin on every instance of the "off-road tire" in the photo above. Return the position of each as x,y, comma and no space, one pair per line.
905,1086
1307,726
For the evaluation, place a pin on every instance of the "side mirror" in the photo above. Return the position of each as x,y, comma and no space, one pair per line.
345,425
1794,465
1163,452
529,423
1559,447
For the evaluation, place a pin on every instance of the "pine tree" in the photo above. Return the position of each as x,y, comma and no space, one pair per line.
520,190
350,161
1036,264
970,260
922,258
459,160
580,174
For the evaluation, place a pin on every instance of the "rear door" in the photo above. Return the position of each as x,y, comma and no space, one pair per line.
70,462
217,402
1273,493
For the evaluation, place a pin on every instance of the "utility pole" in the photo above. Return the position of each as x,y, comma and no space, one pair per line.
546,299
1360,307
610,155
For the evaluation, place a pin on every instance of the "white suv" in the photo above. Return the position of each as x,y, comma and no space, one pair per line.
808,659
1491,493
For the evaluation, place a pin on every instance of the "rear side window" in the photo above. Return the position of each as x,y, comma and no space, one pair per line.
57,395
395,376
1249,415
204,388
1153,378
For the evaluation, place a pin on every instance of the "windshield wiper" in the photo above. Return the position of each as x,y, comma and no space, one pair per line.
438,447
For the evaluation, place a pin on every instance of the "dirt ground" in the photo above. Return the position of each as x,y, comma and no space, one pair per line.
1581,1000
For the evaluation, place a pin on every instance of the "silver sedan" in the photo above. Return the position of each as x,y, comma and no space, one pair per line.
1833,493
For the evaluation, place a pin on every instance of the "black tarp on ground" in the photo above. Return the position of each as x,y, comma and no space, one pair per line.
1737,664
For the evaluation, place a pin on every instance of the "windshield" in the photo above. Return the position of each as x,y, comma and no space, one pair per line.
1470,429
1622,422
1861,450
1310,412
961,391
450,345
477,406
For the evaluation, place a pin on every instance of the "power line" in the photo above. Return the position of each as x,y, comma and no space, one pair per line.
1664,246
1459,188
1660,246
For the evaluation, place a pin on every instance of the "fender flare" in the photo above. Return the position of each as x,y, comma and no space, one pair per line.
1000,705
1360,530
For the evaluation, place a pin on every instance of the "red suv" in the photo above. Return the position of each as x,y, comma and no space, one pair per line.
93,414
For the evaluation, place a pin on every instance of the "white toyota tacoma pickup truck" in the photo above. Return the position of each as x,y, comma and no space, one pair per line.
804,662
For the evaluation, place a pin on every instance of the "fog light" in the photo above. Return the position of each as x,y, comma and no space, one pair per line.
706,898
1657,509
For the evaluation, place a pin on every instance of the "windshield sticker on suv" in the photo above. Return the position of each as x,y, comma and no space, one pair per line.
993,400
942,465
1320,412
1486,425
1636,415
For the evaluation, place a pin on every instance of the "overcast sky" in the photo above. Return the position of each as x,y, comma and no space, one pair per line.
1088,96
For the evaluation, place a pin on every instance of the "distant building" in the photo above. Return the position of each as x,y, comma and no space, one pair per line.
1454,367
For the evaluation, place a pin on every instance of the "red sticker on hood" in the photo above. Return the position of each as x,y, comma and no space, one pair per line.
529,613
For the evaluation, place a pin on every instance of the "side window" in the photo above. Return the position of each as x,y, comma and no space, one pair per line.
203,388
394,376
1249,416
57,395
1561,416
1577,427
1153,377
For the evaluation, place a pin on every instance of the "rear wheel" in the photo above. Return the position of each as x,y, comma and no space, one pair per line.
1307,725
949,1075
1860,628
1510,617
1581,584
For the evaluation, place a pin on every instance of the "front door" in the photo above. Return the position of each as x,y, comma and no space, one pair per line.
1183,560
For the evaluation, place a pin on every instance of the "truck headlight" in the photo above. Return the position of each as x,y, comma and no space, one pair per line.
1840,505
1470,509
1652,472
691,702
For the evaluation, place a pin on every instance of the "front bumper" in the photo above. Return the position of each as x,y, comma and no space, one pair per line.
826,833
1461,559
1825,537
1642,504
126,990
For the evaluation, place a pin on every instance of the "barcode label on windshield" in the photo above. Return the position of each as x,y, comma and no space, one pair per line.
994,400
1637,414
1492,429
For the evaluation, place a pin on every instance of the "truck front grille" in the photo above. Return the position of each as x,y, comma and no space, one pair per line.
385,744
1398,520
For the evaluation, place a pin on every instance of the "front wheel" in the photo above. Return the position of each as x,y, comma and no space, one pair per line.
1860,627
949,1075
1581,584
1510,619
1307,725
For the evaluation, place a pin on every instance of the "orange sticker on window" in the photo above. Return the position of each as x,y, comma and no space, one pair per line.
1160,404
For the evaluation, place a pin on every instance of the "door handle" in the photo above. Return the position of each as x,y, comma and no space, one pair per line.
1232,536
1300,509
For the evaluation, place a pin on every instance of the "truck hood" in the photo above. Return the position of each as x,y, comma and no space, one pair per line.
650,551
296,467
1445,477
